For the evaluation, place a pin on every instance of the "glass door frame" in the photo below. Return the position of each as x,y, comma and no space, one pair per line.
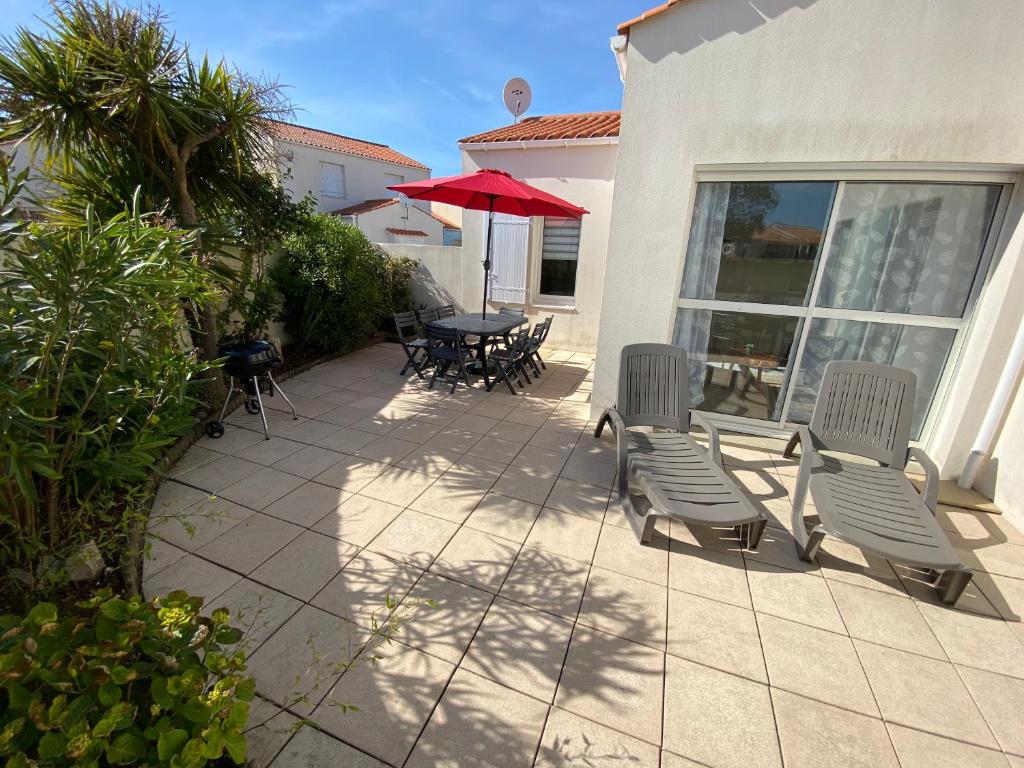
841,173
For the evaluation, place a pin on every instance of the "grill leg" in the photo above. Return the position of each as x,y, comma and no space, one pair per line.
280,391
263,413
231,389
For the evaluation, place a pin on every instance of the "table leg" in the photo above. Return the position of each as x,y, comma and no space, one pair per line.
483,361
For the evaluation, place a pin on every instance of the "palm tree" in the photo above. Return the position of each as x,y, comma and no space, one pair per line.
119,104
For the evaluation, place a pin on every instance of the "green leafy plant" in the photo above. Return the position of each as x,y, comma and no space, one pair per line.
396,285
329,279
95,383
122,682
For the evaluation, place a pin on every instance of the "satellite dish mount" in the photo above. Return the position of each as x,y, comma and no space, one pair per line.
517,96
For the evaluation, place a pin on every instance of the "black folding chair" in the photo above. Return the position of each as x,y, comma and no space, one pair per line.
413,345
427,316
511,311
445,311
510,361
444,349
536,340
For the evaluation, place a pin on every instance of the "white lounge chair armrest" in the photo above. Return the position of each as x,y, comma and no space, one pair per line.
808,450
931,477
613,417
714,443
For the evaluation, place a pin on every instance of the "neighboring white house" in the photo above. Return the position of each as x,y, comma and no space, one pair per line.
350,177
807,180
550,267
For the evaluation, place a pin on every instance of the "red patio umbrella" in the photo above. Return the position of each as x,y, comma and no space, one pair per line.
493,191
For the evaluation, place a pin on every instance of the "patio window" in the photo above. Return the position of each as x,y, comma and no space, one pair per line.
332,180
781,277
559,257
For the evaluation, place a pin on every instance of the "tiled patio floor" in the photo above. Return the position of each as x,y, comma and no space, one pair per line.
556,639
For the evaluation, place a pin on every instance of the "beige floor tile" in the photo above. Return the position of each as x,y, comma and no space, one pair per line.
671,760
626,607
267,452
792,595
565,534
360,593
194,457
550,437
414,431
514,433
472,422
401,691
310,748
389,450
267,731
495,449
448,499
578,498
172,498
888,620
309,462
525,484
618,550
715,634
777,547
520,648
816,735
716,718
613,682
221,473
540,459
303,566
307,504
192,574
587,469
1002,558
917,749
503,516
397,486
358,520
974,640
429,461
232,441
262,488
706,572
198,525
306,431
475,471
157,555
479,559
570,741
478,722
840,561
1001,700
922,693
815,663
413,538
257,610
919,585
302,659
246,545
446,626
451,439
351,473
1006,595
346,440
547,582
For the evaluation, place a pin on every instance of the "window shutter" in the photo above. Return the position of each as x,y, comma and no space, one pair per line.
332,179
510,241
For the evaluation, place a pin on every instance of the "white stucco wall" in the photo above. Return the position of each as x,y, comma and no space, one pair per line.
581,174
438,279
364,177
375,224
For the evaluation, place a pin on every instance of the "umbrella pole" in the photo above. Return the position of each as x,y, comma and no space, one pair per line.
487,255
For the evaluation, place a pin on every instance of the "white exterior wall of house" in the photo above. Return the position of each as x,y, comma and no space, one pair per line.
581,173
919,84
365,178
375,224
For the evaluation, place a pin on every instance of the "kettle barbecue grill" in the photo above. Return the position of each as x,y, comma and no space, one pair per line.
249,363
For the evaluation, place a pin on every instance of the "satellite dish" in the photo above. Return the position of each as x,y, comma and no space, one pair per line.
517,96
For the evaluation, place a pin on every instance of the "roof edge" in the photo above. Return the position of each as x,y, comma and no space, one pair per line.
624,27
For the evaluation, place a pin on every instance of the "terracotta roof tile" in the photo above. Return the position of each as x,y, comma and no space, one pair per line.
365,207
408,232
624,26
445,223
582,125
335,142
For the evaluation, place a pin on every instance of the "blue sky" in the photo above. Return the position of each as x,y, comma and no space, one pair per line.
415,74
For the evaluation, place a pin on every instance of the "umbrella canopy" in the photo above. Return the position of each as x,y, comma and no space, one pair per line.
493,191
490,190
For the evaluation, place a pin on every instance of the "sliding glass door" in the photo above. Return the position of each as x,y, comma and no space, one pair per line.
781,277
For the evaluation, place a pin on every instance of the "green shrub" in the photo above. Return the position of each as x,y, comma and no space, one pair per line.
122,682
336,285
396,281
95,383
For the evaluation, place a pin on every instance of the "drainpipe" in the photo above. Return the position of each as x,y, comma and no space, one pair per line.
618,44
985,441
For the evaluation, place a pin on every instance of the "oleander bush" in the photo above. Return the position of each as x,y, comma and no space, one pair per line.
122,682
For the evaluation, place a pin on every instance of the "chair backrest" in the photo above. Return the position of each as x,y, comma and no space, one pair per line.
540,330
440,335
511,311
427,316
654,386
405,324
445,310
865,409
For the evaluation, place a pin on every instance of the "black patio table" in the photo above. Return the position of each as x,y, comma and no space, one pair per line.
475,324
